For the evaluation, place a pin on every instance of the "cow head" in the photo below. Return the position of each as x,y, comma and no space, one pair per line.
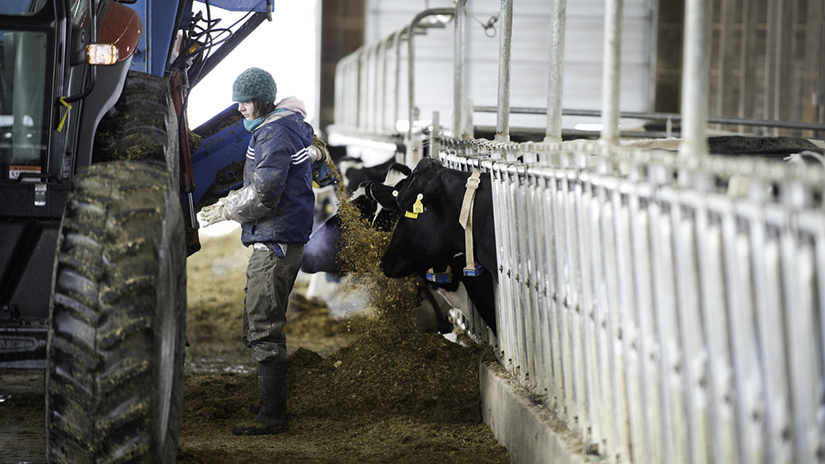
434,234
424,239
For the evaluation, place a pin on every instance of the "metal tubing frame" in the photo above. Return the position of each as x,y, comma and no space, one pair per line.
459,68
411,150
505,39
696,78
400,35
556,72
611,73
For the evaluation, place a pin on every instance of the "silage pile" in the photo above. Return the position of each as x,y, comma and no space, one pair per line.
390,395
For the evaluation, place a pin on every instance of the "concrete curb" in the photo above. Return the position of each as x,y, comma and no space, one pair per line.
525,429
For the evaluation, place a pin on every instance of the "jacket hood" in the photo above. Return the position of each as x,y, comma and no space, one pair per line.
292,104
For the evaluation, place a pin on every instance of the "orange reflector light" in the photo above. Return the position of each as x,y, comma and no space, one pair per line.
101,53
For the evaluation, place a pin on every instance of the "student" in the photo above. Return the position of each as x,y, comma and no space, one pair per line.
275,209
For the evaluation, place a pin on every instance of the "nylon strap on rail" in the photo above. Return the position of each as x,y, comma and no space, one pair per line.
466,221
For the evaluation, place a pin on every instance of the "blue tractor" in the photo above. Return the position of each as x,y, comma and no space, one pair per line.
99,195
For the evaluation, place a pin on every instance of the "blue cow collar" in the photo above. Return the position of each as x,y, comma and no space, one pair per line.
440,277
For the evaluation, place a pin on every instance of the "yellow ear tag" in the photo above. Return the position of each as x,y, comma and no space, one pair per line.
410,215
418,207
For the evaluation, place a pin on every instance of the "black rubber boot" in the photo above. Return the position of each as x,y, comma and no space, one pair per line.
273,387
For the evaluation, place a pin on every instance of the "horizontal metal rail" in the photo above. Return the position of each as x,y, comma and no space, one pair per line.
664,117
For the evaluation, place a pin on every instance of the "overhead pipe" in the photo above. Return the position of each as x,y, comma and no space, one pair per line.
556,71
695,78
459,70
611,73
411,73
505,39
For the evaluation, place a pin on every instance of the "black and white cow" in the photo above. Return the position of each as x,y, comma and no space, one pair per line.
354,173
434,239
321,254
322,250
436,233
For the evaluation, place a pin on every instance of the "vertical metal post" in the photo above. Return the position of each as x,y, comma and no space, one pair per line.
611,73
505,37
434,135
355,93
382,83
411,161
345,92
771,43
726,91
351,91
339,104
469,128
370,96
341,91
363,87
747,63
399,35
653,37
556,71
459,76
696,78
370,79
788,108
411,149
820,82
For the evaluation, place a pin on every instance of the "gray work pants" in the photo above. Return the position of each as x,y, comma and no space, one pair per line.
269,281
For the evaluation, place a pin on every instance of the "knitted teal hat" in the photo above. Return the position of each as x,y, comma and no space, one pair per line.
254,83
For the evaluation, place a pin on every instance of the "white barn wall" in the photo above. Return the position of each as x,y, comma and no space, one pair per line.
529,56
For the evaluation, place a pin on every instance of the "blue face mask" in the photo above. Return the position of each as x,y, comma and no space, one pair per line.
251,125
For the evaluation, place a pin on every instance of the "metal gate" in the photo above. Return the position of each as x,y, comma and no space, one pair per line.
664,313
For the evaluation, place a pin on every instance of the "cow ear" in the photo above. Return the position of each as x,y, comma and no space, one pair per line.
406,198
401,169
383,194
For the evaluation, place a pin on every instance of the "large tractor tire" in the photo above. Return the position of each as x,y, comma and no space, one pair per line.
142,126
114,380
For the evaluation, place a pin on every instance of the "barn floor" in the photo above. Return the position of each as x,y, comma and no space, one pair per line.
357,394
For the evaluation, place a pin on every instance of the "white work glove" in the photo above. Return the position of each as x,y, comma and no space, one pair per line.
220,211
214,213
317,153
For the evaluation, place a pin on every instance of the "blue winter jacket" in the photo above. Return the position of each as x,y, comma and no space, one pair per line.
278,165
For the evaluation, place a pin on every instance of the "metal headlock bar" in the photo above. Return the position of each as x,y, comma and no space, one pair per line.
666,305
672,319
